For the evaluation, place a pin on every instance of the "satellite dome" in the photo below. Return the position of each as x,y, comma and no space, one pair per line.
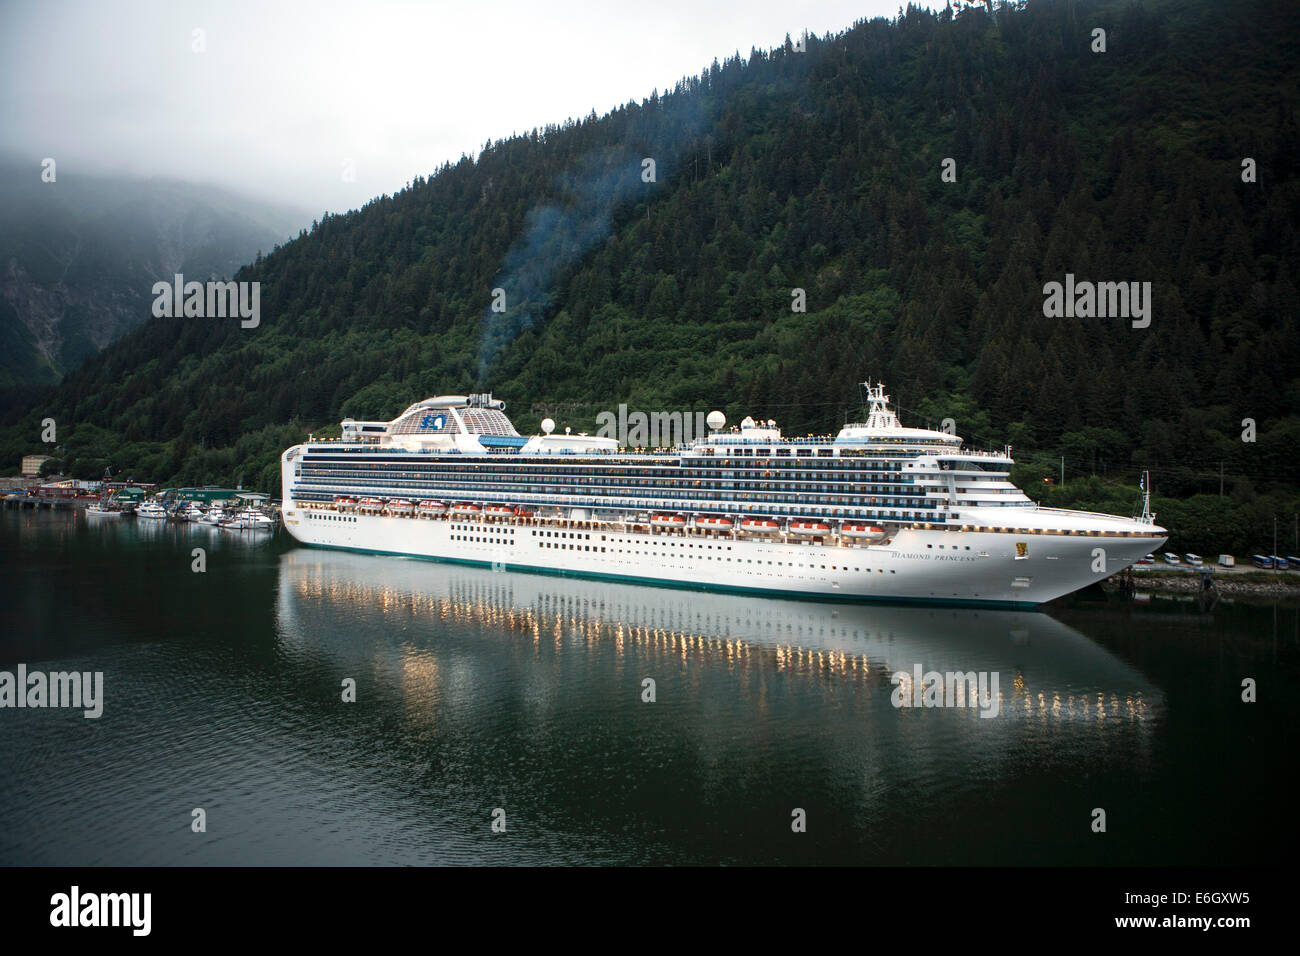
548,426
716,420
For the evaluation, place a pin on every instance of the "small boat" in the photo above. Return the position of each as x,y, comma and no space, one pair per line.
99,511
192,512
430,509
760,526
809,529
345,504
215,515
151,509
400,508
668,521
499,511
869,531
464,508
715,524
370,506
250,519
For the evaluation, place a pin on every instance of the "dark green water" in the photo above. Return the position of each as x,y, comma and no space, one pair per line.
481,690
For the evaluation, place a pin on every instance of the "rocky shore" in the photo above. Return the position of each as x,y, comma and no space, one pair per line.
1243,583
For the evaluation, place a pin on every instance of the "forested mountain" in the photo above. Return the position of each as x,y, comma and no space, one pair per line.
79,255
818,170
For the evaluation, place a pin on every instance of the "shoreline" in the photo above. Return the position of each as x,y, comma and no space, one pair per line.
1243,583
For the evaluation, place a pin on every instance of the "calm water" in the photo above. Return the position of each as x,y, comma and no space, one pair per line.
478,690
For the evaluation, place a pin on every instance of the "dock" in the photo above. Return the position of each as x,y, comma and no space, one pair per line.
35,503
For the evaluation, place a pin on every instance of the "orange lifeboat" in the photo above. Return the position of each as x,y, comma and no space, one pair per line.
464,508
869,531
715,524
810,529
760,526
668,521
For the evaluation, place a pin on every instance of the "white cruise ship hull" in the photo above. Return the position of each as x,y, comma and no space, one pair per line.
957,567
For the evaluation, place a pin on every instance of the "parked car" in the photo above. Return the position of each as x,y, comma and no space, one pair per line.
1227,561
1171,558
1193,559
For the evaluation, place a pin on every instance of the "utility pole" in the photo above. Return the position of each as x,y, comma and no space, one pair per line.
1062,471
1220,479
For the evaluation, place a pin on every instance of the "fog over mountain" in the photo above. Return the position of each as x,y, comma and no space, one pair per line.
79,256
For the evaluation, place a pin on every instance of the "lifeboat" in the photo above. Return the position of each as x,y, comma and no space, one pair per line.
370,506
667,521
427,509
499,511
869,531
345,504
522,513
400,507
465,509
715,524
809,528
760,526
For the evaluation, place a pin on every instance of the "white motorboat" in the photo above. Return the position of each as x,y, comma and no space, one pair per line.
249,519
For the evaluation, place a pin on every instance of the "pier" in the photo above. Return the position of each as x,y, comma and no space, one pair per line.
54,504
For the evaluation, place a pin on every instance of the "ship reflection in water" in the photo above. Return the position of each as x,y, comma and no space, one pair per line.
845,654
527,692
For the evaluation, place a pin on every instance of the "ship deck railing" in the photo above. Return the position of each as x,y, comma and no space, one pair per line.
1140,519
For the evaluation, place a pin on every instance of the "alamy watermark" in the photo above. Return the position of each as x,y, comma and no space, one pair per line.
76,689
1102,300
948,689
215,300
75,909
652,430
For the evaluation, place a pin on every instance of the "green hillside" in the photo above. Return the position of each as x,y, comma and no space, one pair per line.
817,170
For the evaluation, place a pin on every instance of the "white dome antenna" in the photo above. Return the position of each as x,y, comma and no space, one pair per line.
548,425
716,421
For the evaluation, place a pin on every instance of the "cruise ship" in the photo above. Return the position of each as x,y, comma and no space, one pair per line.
879,512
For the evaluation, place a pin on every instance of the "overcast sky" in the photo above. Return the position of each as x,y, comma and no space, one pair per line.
284,94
